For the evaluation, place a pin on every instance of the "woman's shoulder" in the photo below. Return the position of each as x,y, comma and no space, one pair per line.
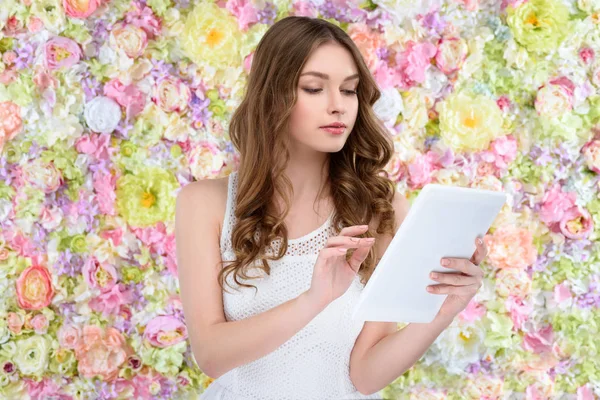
211,195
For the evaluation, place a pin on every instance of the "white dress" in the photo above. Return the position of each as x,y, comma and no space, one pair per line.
315,362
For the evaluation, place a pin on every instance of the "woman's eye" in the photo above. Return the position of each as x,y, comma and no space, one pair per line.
349,92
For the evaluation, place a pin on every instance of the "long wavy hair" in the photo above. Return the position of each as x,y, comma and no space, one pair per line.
359,186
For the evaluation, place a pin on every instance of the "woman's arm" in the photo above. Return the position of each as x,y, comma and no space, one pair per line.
218,345
395,354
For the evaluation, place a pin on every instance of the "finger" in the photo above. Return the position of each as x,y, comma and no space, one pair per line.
353,230
463,265
358,257
348,241
449,289
332,252
454,279
480,251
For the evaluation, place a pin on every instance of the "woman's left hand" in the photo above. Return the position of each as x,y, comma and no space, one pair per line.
461,286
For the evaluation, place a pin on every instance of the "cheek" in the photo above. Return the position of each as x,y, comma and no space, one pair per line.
302,114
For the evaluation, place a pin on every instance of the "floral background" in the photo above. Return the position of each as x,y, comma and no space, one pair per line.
109,107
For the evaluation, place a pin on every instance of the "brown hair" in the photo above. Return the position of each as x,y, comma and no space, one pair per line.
360,189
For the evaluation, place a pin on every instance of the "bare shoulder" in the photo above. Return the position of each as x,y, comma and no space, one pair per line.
210,194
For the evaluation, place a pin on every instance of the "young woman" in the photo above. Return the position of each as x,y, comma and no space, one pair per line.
273,257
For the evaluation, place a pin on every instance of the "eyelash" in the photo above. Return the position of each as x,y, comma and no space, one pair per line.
315,91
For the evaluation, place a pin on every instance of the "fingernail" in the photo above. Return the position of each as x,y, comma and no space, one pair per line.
445,262
479,241
342,250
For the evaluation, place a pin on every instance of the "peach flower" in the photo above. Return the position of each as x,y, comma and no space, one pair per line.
511,247
80,8
100,353
15,322
68,336
513,282
34,288
172,94
39,323
367,41
129,38
11,123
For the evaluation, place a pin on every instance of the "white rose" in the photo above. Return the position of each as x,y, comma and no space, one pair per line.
102,114
389,105
32,355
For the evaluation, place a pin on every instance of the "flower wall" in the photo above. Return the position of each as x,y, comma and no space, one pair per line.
107,108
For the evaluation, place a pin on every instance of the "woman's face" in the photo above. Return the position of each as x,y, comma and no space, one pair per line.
326,94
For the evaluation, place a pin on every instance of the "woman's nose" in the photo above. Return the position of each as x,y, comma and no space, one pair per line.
336,103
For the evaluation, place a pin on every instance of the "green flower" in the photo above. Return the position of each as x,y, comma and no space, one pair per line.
146,197
167,361
539,25
469,122
78,244
132,274
32,355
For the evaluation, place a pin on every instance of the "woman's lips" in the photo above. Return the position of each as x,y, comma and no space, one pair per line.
333,130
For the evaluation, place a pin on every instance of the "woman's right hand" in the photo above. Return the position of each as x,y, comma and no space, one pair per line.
333,274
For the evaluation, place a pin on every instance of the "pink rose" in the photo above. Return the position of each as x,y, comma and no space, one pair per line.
585,393
101,353
470,5
80,8
61,52
473,312
503,103
586,54
129,38
11,123
97,144
9,57
98,275
43,79
562,293
40,324
555,203
68,336
576,223
421,169
244,11
555,98
104,185
501,153
305,9
591,155
451,54
414,60
35,24
511,247
128,96
15,322
143,17
540,341
34,288
165,331
172,94
518,310
110,301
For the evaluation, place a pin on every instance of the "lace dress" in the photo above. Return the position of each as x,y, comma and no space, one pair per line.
314,363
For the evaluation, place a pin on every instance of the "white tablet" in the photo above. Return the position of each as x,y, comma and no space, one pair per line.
443,221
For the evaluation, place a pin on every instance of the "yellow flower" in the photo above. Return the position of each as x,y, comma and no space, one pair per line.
211,35
469,123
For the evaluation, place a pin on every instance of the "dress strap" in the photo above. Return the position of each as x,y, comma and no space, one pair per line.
229,218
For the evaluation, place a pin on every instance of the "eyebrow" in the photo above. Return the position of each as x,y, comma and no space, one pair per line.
325,76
